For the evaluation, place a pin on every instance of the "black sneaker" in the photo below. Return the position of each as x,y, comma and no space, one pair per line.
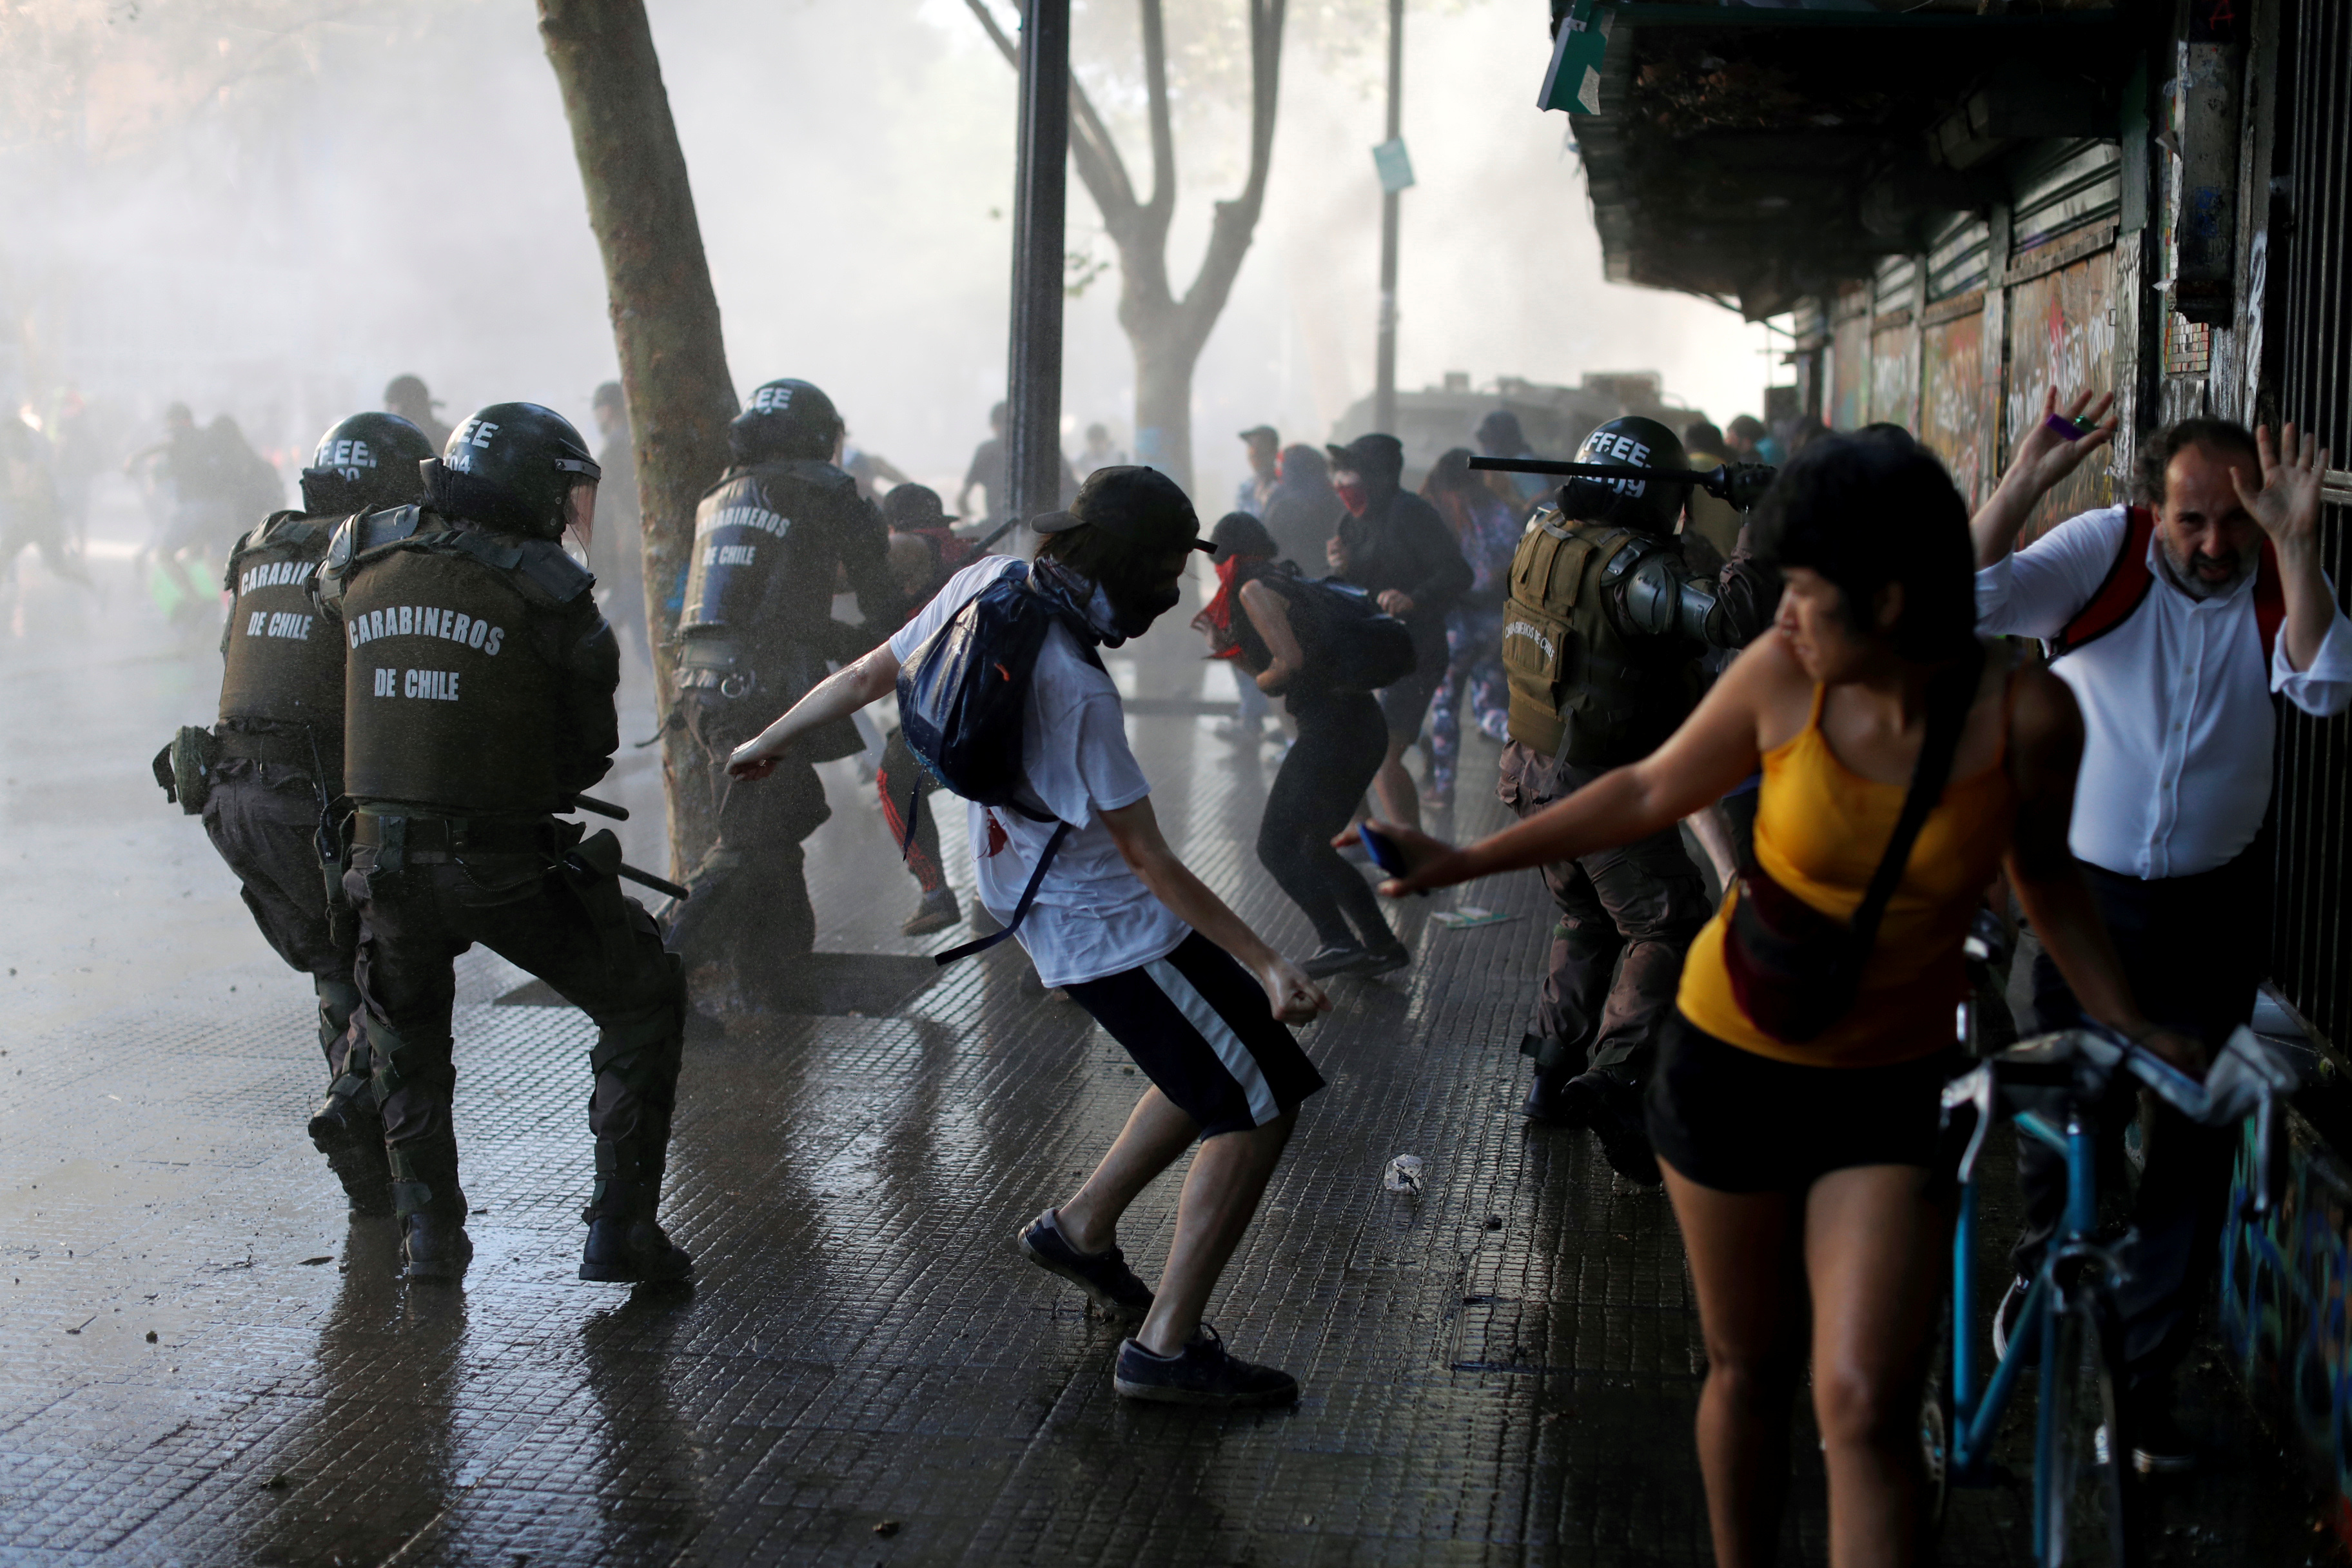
2004,1321
435,1246
1618,1123
1104,1277
1202,1374
1384,959
632,1252
1339,958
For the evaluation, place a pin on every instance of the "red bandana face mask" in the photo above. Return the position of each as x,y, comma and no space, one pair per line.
1217,618
1355,496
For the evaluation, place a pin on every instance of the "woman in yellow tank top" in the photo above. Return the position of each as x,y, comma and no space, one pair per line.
1798,1170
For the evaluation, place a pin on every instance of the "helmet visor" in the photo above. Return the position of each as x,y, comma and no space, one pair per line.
580,511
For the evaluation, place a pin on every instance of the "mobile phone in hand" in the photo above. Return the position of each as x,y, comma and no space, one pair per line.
1383,850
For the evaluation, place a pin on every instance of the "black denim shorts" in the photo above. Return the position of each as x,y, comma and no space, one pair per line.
1739,1122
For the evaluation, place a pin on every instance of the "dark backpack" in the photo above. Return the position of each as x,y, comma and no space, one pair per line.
961,701
1341,627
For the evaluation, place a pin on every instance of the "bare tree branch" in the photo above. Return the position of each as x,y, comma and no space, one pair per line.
1236,221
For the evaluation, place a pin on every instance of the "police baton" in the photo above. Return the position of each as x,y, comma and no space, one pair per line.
1741,484
628,873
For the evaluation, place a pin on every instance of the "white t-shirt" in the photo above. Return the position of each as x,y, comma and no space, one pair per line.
1092,917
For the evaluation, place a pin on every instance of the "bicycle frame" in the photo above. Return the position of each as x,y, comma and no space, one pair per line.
1976,1416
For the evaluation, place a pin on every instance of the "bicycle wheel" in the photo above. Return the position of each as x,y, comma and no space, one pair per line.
2091,1503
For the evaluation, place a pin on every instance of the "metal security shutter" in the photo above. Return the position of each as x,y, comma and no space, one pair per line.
2062,188
1958,256
2311,939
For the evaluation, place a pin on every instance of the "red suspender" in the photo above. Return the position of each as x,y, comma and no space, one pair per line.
2120,592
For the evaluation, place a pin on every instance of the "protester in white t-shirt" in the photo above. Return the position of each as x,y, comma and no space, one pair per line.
1194,995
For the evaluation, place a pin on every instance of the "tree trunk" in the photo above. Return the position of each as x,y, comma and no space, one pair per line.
665,324
1163,403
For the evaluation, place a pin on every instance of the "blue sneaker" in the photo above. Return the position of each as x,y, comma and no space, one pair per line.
1104,1277
1202,1374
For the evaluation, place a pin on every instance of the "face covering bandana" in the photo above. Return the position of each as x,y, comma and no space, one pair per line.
1084,604
1356,496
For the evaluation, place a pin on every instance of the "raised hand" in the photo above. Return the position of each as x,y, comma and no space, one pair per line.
2287,501
2044,457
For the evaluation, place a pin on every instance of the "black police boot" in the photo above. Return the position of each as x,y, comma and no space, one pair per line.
350,1133
432,1240
631,1251
1554,1099
625,1245
435,1246
1617,1121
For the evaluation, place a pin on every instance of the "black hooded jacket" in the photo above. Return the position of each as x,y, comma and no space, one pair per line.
1401,542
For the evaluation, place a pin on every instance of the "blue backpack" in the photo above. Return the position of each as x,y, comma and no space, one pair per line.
961,701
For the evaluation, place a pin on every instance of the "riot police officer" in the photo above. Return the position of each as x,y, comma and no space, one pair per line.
277,765
1601,641
770,539
478,692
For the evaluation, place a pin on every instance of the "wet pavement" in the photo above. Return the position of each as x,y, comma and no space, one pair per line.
201,1360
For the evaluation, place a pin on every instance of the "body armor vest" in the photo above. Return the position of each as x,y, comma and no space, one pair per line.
284,660
453,695
756,625
1582,690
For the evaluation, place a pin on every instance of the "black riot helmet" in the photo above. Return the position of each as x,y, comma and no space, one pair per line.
363,462
785,419
517,466
1652,506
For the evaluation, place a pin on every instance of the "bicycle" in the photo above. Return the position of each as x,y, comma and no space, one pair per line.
2049,1089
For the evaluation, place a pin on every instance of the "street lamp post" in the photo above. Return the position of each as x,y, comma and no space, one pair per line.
1384,381
1032,411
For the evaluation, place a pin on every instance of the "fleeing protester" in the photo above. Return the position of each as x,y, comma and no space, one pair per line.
1098,453
772,538
1489,535
1262,620
80,458
29,514
1498,435
924,553
2175,622
199,493
457,774
407,396
1602,642
1394,546
1797,1120
986,474
1263,446
1303,512
616,552
1198,1000
277,765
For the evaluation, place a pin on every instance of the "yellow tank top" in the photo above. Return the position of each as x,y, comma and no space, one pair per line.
1821,830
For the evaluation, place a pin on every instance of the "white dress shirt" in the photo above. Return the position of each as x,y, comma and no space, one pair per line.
2177,717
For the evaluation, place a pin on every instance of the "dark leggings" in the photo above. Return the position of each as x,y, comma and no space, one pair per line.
1342,742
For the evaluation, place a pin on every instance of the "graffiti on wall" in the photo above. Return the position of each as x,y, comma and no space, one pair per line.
2062,333
1848,405
1951,408
2283,1317
1894,377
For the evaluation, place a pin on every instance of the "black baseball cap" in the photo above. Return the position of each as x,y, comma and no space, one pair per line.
1134,505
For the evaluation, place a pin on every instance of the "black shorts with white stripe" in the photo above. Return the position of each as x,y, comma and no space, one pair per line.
1200,1028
